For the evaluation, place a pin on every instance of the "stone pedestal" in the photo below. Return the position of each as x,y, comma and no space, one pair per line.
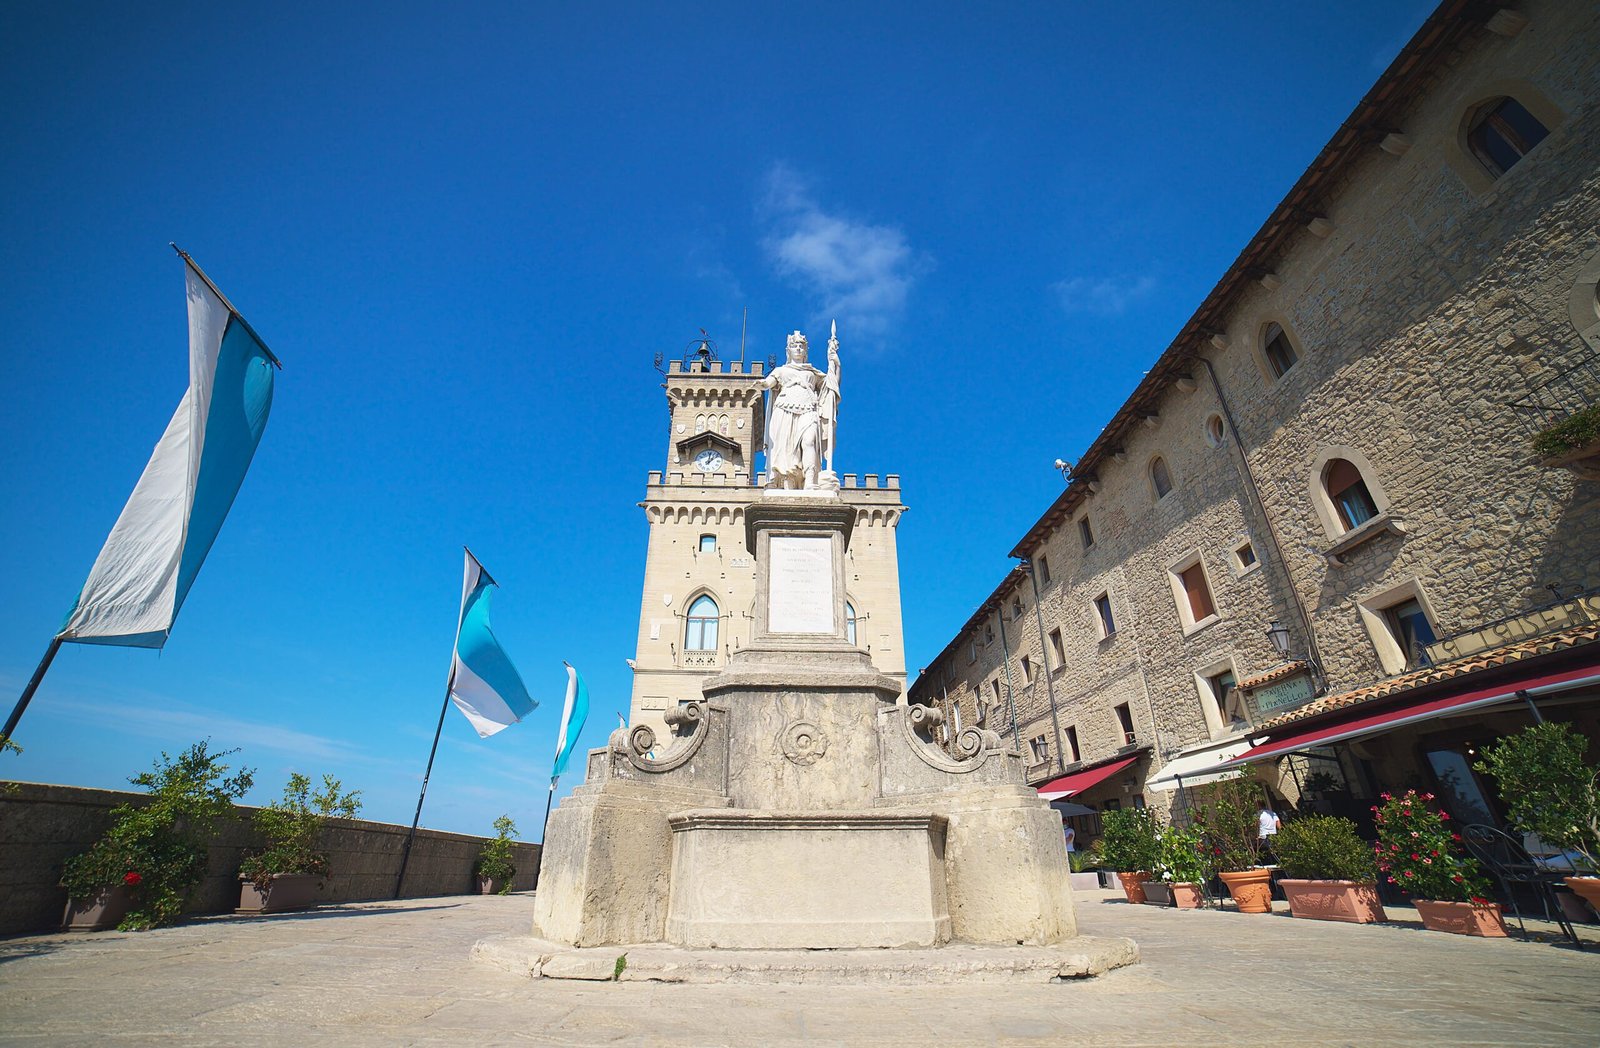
774,879
801,803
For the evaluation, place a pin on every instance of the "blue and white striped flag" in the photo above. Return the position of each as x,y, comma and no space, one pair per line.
483,683
150,559
573,714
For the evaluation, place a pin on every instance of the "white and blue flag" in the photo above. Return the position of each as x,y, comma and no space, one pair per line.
483,683
573,714
150,559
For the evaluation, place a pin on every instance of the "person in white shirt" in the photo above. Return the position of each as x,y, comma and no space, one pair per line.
1268,824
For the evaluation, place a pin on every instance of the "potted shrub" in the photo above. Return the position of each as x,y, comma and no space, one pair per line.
495,869
1550,792
1179,870
1083,865
286,875
1231,826
1418,853
141,873
1331,874
1128,843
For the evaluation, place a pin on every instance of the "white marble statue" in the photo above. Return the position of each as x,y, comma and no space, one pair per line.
803,418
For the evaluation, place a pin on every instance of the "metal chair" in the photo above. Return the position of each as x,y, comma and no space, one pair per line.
1510,864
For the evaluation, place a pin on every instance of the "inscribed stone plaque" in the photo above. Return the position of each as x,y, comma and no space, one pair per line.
1291,692
800,584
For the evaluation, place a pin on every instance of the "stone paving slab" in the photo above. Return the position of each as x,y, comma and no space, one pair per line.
401,974
1083,957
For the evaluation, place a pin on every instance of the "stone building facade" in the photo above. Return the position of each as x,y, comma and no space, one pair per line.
699,580
1338,441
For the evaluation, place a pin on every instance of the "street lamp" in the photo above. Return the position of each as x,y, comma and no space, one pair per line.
1278,634
1066,469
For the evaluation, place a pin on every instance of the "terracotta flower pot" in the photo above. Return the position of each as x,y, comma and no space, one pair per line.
1157,893
103,911
284,891
488,885
1354,902
1133,884
1462,918
1186,895
1587,889
1251,889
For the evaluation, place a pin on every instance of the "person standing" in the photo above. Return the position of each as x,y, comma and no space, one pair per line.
1070,834
1267,825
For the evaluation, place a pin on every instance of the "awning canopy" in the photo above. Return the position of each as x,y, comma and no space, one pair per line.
1079,781
1200,767
1349,728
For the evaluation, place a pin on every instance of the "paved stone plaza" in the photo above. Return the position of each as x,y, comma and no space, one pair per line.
399,974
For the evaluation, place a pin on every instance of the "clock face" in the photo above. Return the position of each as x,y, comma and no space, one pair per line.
709,460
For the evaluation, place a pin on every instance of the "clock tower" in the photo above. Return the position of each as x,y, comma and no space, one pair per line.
699,579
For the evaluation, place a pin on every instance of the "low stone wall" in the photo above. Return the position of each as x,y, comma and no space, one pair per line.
41,826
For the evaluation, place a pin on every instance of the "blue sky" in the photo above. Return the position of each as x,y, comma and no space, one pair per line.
467,230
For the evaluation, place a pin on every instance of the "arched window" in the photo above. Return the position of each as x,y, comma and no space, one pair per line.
1160,477
1278,350
701,633
1502,132
849,622
1349,494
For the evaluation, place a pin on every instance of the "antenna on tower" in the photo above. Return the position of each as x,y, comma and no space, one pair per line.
743,327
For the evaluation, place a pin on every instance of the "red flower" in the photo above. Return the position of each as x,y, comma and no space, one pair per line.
1445,816
1457,878
131,879
1414,855
1480,900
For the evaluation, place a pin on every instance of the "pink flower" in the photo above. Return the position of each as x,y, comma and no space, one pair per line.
1427,862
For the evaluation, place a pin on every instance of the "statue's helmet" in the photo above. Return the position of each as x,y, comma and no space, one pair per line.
798,348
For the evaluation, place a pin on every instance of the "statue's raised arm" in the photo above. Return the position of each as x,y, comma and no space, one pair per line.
828,408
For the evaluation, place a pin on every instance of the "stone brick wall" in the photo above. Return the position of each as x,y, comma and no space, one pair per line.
1427,310
41,826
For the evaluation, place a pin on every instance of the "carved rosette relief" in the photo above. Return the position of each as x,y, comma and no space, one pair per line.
803,743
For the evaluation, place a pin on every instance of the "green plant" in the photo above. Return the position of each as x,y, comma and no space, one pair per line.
158,848
1180,857
1417,851
1570,434
1128,840
1231,824
620,967
494,861
1088,859
292,826
1324,848
1547,788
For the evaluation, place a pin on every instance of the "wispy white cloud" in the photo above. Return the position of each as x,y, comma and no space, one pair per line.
853,270
164,718
1102,296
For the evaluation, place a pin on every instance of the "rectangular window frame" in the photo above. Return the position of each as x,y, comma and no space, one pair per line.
1085,532
1375,616
1105,620
1181,597
1127,732
1069,744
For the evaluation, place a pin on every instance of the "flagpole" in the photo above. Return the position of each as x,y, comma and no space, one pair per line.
33,686
547,802
405,854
